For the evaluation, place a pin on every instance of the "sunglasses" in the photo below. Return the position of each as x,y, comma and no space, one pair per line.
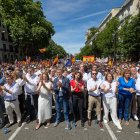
94,73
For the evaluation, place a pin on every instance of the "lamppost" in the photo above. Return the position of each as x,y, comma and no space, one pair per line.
114,45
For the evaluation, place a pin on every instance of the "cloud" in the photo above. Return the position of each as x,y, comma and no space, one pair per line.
91,15
55,8
67,15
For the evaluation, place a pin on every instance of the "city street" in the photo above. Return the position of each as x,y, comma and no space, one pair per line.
109,132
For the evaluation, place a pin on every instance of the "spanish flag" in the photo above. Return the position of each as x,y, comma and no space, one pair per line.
72,59
42,50
55,61
110,62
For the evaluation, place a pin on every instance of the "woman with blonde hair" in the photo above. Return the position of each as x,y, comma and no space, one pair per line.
126,88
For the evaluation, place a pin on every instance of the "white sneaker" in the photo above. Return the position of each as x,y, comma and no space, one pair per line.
119,127
105,121
135,117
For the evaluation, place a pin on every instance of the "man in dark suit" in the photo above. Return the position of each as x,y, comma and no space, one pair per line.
61,88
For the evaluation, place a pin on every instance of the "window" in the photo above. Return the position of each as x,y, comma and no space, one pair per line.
4,47
2,37
9,38
16,49
11,48
5,57
12,57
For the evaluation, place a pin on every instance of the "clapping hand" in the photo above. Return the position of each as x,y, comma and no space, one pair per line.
3,87
103,87
59,84
131,90
24,77
95,87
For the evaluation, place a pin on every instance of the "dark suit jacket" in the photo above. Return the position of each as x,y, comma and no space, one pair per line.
65,87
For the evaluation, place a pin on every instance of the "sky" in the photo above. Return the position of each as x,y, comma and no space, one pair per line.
72,18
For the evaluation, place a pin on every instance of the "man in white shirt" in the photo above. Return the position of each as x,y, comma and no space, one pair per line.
86,77
93,86
31,98
133,105
10,92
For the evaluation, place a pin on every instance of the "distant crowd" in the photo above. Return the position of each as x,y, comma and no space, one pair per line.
29,91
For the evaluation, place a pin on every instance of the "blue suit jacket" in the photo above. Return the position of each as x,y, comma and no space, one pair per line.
65,87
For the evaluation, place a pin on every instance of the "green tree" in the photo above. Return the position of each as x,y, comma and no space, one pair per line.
27,24
88,49
129,38
85,51
53,49
91,33
105,40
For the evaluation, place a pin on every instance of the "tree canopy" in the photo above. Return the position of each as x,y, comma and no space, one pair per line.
105,39
129,38
26,23
118,40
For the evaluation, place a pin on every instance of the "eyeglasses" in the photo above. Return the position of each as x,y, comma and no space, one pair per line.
94,73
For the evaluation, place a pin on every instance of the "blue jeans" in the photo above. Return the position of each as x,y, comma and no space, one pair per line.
62,102
124,106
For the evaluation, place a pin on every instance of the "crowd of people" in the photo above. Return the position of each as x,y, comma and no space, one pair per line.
29,91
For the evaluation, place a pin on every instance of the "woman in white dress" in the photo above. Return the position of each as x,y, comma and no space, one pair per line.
44,100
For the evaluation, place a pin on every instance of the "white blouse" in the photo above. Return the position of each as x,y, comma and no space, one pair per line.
111,92
138,86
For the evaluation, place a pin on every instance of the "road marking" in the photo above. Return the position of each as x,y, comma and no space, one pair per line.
45,127
85,129
26,128
112,135
16,132
136,132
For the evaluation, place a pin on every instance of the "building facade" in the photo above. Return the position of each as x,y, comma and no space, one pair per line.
129,8
8,53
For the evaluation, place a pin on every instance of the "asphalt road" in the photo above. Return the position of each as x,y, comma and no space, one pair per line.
109,132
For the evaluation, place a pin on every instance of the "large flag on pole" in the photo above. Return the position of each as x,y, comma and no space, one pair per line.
72,59
68,63
55,61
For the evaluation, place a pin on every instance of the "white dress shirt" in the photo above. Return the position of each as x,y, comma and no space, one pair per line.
112,90
31,86
14,88
92,84
138,86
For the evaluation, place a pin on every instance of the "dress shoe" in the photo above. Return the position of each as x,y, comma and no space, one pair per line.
28,120
19,124
89,122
